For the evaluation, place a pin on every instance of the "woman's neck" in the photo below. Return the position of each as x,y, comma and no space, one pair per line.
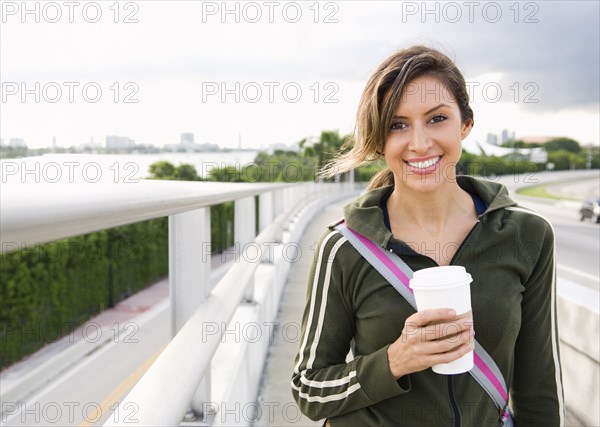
433,211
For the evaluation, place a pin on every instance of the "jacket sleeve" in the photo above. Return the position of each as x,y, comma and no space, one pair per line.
536,392
323,384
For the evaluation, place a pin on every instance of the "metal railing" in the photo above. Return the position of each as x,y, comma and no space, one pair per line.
39,213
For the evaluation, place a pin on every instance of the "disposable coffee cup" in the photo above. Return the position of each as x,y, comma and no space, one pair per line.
445,287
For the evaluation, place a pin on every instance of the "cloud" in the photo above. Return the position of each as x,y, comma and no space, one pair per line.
171,51
559,54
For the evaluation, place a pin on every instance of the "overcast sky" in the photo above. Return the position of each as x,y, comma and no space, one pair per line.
296,68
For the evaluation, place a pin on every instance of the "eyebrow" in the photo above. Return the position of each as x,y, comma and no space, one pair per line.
426,112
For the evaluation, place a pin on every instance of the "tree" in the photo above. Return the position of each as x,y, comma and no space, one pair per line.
517,143
225,174
563,143
329,144
165,170
162,170
185,172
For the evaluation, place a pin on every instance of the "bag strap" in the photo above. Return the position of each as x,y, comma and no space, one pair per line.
398,273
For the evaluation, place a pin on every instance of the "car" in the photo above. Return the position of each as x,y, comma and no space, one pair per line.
590,209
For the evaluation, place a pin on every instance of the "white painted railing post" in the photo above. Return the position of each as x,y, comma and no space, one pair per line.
244,233
287,198
189,279
278,201
309,190
297,194
266,210
189,264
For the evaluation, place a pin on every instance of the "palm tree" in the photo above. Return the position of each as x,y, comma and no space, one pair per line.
329,144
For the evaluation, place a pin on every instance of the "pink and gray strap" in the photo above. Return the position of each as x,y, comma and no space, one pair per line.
398,273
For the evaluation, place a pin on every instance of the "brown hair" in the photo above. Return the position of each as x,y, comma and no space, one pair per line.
380,99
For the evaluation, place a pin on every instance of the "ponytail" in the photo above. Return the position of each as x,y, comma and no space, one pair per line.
381,179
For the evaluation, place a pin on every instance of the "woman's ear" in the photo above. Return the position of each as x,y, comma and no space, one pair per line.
466,129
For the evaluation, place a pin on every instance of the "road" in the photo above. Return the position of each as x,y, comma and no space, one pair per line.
88,393
580,190
577,243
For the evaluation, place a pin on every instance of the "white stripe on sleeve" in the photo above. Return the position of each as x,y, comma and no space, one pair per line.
557,370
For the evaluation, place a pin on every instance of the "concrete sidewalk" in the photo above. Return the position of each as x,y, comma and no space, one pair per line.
275,387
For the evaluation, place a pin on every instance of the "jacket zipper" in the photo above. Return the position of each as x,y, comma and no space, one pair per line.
450,394
386,247
454,407
463,242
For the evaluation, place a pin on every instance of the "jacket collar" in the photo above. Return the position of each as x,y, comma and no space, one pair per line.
365,216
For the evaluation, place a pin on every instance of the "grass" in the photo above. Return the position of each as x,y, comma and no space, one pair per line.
541,191
537,191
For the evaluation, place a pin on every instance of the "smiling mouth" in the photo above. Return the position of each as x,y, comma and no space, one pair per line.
424,164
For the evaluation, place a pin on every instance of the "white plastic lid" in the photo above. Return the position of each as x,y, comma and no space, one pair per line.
440,277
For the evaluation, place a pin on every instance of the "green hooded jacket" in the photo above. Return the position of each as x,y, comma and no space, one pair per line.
510,256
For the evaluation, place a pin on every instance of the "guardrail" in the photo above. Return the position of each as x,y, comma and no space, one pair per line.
578,312
39,213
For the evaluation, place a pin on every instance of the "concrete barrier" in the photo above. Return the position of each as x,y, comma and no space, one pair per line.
236,369
579,332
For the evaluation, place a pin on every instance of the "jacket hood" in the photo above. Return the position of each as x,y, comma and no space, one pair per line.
365,215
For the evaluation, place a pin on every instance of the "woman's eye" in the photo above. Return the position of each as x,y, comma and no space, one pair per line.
398,126
438,118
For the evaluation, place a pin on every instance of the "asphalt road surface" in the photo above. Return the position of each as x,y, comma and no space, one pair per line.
89,393
577,243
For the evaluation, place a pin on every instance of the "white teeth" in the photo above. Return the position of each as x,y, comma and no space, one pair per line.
425,164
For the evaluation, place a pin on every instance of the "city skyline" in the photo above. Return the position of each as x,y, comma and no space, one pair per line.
187,140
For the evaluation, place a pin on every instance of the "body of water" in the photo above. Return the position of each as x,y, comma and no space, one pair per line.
116,168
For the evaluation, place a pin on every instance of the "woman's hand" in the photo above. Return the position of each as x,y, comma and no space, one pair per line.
430,337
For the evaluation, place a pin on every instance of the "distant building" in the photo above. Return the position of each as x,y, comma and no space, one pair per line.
187,139
504,137
17,142
538,155
187,145
492,139
1,142
93,145
114,142
536,139
207,147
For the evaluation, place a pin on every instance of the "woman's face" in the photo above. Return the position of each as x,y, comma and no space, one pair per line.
423,143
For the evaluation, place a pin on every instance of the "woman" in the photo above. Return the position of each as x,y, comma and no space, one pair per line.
414,113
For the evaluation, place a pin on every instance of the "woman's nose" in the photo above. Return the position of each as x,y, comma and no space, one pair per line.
420,141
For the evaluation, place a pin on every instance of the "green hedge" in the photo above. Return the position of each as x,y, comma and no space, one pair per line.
48,290
221,226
